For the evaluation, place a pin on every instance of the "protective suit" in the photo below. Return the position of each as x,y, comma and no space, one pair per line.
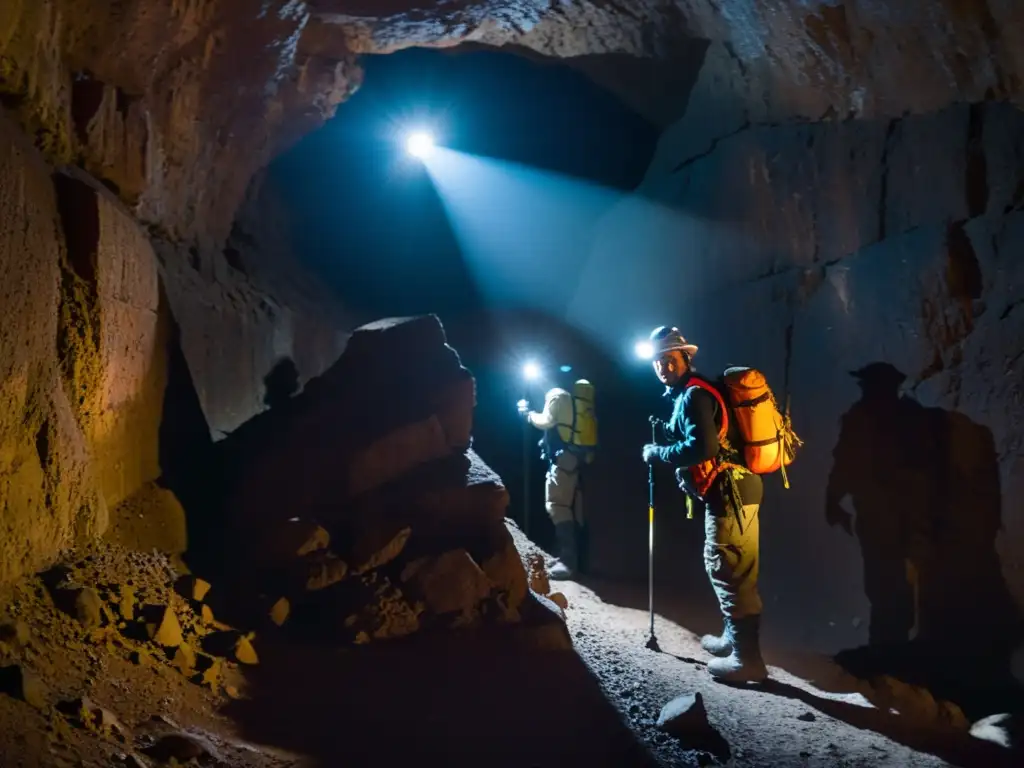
569,423
731,500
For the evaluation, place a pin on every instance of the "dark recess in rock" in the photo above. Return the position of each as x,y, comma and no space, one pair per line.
79,215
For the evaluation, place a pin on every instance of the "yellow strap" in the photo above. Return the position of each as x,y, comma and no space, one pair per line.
689,507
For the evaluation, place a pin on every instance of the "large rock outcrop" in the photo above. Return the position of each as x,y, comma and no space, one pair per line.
362,504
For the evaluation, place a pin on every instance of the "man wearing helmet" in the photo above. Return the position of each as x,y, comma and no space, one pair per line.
731,498
569,424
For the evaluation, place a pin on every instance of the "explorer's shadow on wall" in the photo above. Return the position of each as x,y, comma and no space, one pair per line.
924,485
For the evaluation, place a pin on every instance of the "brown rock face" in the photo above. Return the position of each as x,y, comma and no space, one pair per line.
174,105
43,452
86,340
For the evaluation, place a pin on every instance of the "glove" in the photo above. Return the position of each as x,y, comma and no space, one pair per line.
652,451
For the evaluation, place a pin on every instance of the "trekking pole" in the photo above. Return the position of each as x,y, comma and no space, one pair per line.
524,407
652,641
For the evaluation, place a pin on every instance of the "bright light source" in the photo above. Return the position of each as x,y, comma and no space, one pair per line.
531,371
419,144
644,350
523,406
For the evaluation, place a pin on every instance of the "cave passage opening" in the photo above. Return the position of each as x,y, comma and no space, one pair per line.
488,221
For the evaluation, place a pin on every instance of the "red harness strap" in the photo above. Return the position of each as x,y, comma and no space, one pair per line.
704,474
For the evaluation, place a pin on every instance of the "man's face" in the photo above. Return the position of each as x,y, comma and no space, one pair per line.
670,367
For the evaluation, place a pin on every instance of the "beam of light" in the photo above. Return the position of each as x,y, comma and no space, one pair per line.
601,260
531,371
420,144
525,234
644,350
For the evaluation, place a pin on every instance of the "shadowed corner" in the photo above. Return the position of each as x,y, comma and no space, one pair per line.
927,508
449,698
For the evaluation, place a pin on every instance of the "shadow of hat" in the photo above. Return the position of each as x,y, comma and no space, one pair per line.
879,375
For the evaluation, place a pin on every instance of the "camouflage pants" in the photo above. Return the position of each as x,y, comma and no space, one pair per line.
732,558
563,497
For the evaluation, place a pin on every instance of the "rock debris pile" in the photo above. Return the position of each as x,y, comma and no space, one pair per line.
361,513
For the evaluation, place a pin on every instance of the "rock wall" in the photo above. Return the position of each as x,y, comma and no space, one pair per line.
47,485
174,105
246,308
95,314
811,250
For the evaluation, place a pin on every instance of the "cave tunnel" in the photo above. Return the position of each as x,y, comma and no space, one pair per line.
267,497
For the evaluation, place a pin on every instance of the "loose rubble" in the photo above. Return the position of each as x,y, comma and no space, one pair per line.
401,531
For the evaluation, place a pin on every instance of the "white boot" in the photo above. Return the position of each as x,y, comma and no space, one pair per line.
720,645
744,664
566,567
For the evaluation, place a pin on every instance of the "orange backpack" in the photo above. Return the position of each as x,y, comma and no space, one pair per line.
769,442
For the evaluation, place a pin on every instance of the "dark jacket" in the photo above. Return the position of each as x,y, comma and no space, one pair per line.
693,432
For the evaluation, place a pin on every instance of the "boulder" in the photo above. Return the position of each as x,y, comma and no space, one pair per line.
90,715
454,411
282,542
162,626
192,588
374,608
279,611
543,625
15,633
538,575
231,644
179,748
1004,730
358,426
376,546
685,718
20,683
81,603
393,454
452,498
449,583
126,602
321,570
504,568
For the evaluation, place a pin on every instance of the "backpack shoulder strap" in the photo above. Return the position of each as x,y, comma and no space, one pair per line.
696,381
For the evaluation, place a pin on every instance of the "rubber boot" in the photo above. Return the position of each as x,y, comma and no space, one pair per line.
744,664
720,645
567,552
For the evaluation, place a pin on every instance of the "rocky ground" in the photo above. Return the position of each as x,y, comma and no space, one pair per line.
836,720
361,599
116,659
